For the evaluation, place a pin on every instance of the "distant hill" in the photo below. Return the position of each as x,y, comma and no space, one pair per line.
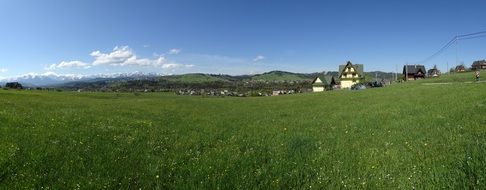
195,78
137,80
281,76
272,76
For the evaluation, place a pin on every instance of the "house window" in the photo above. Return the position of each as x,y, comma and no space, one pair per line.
349,69
354,74
354,80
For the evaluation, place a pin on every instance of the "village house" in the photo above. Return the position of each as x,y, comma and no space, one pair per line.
460,68
322,83
413,72
350,74
478,65
434,72
282,92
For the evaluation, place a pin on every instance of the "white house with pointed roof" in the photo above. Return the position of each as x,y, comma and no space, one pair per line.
350,74
322,83
317,85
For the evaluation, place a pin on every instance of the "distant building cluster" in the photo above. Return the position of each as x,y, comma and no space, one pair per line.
349,74
222,93
417,72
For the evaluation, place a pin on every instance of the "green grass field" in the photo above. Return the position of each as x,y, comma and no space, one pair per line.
409,135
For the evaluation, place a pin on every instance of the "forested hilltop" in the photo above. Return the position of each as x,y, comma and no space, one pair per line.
274,80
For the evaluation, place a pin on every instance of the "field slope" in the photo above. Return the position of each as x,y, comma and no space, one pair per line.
407,136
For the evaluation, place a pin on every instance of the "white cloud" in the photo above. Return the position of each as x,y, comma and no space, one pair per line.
49,74
216,59
258,58
158,55
3,70
174,51
124,56
176,65
171,66
69,64
121,56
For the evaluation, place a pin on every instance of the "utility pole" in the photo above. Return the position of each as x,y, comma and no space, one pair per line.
396,72
406,72
448,68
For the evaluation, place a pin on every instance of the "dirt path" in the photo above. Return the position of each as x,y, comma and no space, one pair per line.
444,83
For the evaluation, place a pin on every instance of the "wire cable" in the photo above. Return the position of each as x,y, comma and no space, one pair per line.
451,42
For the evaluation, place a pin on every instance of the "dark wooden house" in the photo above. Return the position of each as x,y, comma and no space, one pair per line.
413,72
460,68
434,72
478,65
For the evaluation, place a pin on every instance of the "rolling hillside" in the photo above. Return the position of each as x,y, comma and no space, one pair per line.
406,136
282,76
450,78
195,78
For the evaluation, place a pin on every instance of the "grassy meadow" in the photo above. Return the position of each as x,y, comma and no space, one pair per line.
409,135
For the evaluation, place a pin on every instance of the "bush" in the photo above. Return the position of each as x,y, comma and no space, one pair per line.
14,85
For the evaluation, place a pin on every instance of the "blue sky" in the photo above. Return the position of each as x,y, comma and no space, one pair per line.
232,36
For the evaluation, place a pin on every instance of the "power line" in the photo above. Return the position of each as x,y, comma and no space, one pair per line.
440,50
451,42
473,37
471,34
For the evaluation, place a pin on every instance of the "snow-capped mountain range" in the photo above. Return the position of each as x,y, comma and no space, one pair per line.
51,78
